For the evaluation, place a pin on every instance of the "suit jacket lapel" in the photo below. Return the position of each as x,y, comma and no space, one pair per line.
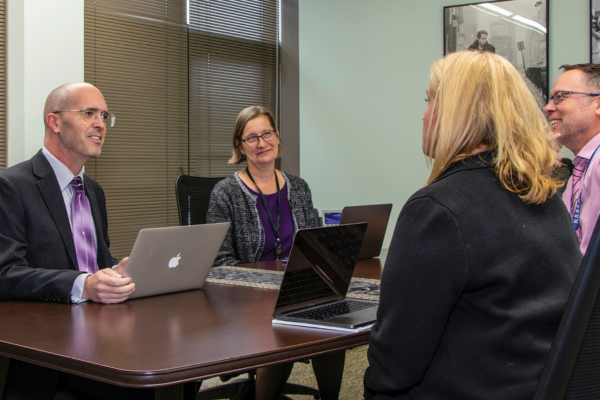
50,191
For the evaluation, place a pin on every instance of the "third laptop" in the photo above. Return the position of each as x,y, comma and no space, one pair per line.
377,216
317,278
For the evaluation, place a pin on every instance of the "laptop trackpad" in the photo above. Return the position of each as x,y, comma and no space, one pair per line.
357,318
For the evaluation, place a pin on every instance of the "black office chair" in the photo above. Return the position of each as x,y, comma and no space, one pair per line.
193,198
572,370
563,172
318,220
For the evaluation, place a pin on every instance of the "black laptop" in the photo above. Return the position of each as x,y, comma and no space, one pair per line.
317,278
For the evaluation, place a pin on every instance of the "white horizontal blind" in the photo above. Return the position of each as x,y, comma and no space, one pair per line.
136,54
233,64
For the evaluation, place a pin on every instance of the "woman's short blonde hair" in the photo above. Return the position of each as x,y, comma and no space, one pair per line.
242,119
479,98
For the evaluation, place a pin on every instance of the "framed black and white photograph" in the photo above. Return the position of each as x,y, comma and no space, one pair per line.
515,29
595,32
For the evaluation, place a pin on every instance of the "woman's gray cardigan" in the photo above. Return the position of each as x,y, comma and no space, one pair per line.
231,201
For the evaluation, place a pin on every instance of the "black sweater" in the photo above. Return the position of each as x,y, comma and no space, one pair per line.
472,291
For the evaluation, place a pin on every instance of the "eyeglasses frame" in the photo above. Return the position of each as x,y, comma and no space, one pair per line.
273,131
111,116
568,92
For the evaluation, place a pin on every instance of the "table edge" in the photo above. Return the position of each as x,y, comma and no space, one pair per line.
141,379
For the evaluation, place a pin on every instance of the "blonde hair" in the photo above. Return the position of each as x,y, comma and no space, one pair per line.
242,119
480,100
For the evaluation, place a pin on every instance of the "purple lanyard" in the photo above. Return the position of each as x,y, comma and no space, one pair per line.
266,205
578,202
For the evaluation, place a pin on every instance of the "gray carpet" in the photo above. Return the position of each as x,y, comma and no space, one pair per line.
352,381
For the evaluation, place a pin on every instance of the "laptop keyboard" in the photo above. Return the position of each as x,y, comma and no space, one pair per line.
331,310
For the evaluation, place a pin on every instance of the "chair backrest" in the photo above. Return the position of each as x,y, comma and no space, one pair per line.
572,370
318,221
193,198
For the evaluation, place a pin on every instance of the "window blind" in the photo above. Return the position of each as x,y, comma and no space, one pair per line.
234,64
3,150
136,54
176,89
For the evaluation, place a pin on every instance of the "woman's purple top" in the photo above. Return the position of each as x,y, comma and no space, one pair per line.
286,228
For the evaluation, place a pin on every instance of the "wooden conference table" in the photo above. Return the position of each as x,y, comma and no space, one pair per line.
166,341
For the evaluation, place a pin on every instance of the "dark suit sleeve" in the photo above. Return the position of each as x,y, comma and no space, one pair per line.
424,275
18,279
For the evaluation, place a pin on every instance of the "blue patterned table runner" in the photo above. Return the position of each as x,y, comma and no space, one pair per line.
360,288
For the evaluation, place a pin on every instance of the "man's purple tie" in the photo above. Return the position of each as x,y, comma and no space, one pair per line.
579,164
83,228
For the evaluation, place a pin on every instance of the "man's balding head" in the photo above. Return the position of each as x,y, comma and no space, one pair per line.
73,135
62,98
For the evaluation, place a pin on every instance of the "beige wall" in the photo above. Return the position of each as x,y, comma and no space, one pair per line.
45,50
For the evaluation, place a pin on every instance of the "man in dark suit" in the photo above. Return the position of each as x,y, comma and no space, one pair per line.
54,243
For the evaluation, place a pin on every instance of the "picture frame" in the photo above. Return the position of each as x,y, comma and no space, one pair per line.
595,31
514,29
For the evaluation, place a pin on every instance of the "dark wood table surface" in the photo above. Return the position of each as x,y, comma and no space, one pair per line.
167,340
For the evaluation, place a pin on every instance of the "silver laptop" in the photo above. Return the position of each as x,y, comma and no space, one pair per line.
377,216
173,259
317,278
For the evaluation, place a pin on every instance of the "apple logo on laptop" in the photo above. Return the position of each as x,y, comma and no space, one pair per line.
173,262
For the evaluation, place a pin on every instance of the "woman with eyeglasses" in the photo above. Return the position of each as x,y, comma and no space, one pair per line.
265,208
483,258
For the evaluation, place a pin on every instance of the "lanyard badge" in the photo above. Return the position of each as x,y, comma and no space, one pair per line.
576,213
275,227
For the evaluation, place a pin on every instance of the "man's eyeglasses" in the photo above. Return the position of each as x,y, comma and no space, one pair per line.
559,96
91,115
267,136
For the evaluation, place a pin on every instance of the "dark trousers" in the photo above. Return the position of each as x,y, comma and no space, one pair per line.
27,381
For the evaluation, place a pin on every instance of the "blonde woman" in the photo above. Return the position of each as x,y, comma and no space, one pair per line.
484,256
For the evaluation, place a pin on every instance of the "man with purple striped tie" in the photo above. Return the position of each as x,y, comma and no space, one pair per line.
574,113
54,242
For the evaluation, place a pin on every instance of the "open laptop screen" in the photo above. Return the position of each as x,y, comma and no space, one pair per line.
320,266
377,216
